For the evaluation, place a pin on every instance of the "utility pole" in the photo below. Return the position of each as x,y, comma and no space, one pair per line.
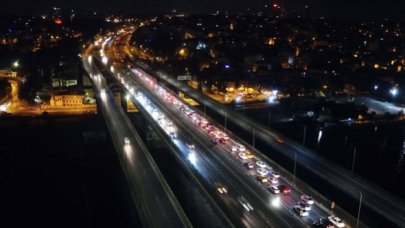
354,158
358,213
254,137
269,116
225,121
295,164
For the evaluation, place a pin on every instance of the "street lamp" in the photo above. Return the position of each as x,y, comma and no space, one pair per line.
295,164
358,213
16,64
354,157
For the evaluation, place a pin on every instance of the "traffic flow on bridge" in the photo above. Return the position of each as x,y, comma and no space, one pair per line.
278,192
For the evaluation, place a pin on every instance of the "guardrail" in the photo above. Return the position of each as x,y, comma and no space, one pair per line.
388,206
154,200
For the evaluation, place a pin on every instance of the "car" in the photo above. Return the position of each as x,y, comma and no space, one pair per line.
275,174
262,172
126,141
173,135
245,204
241,147
248,165
336,221
304,205
262,179
261,164
232,148
220,188
249,154
300,212
284,189
274,189
273,180
279,140
243,156
307,199
323,223
190,146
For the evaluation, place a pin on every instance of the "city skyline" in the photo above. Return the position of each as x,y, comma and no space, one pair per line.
361,9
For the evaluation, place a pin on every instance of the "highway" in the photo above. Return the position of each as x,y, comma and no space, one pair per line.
245,181
156,204
381,202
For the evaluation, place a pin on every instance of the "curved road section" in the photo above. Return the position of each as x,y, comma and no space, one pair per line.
156,204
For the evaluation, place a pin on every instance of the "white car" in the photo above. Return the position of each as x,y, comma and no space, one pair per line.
245,204
126,141
307,199
241,148
262,172
273,180
232,148
275,174
336,221
274,189
190,146
261,164
243,156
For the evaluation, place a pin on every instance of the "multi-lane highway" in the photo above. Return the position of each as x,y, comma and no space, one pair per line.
156,204
232,163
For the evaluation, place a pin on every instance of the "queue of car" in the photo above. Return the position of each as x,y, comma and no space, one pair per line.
264,173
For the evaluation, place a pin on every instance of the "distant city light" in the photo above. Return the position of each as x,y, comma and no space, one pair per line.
104,60
376,87
238,99
16,64
90,58
227,66
58,21
3,107
394,92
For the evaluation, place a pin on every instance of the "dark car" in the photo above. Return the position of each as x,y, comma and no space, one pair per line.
284,189
323,223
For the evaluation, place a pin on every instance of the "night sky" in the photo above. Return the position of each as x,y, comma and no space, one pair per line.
348,9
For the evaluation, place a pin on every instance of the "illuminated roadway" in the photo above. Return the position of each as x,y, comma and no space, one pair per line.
379,201
387,205
156,204
238,178
241,179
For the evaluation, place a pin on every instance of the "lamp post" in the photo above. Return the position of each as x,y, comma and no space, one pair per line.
354,158
295,164
358,213
254,137
225,121
269,116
